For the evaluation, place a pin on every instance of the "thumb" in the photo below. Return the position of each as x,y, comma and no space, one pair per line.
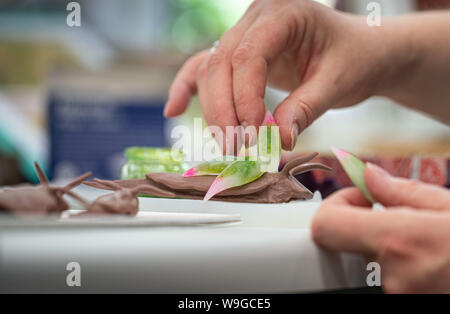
393,191
299,110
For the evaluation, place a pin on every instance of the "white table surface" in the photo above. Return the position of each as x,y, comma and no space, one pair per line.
269,251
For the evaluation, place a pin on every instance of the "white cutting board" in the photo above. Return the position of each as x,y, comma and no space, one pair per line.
295,214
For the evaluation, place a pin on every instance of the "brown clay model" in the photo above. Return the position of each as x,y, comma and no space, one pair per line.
277,187
123,201
42,199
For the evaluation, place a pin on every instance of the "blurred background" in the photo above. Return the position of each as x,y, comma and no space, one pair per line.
73,98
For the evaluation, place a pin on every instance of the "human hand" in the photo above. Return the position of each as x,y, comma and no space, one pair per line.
323,57
410,240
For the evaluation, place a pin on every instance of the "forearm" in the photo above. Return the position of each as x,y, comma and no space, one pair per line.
418,74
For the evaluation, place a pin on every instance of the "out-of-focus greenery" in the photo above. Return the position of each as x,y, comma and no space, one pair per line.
198,23
29,62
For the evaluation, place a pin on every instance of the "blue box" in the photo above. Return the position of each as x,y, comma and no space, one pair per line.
89,131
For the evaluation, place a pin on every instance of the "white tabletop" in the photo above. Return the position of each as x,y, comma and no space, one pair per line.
269,250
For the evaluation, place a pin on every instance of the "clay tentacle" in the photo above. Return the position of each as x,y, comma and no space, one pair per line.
111,184
298,161
41,175
77,197
302,168
76,181
307,167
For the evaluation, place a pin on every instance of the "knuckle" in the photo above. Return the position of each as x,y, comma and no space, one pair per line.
408,185
202,71
241,55
394,245
306,110
413,186
216,58
270,26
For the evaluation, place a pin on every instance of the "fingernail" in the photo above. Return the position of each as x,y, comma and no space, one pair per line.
294,134
166,107
377,170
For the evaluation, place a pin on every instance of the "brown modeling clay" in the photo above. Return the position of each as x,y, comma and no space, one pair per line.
38,200
277,187
123,201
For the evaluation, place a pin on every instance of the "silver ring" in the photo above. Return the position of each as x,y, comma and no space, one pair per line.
214,46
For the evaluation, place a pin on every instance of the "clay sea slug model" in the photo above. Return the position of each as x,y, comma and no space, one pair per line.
123,201
277,187
42,199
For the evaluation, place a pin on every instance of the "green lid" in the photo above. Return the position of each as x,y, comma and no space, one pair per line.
153,153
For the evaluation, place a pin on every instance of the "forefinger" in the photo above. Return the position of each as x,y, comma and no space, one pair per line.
184,86
262,43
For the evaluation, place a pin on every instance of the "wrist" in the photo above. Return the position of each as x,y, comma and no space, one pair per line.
399,56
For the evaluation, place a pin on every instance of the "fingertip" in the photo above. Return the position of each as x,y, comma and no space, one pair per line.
376,178
372,169
253,116
178,100
170,110
167,112
286,138
288,129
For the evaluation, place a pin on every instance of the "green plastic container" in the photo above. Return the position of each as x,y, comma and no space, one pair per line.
143,160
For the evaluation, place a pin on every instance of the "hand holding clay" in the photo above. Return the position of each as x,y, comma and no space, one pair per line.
324,58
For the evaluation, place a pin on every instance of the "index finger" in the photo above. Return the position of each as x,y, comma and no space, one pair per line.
261,44
183,86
